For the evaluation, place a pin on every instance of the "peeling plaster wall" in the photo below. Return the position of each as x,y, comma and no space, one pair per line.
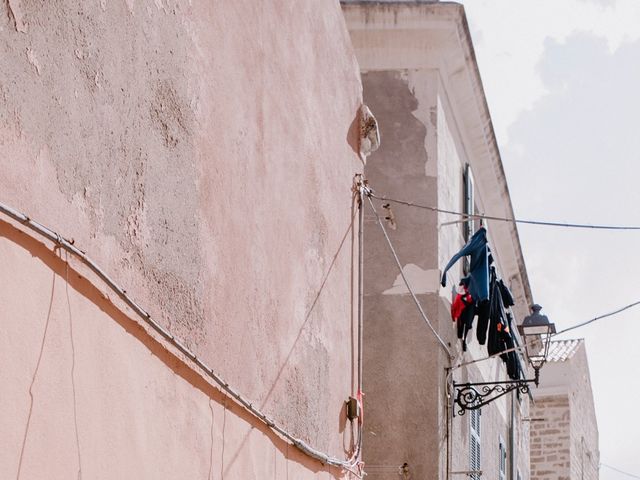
421,81
421,160
203,154
401,356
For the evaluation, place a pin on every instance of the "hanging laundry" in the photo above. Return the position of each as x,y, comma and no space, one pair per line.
462,311
479,266
507,297
490,299
462,300
483,310
511,358
496,316
500,337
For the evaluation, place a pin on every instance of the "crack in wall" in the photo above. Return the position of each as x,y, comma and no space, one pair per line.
15,17
224,426
33,380
11,15
212,444
73,367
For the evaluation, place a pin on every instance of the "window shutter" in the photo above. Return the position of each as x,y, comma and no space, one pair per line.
468,207
502,462
469,202
474,444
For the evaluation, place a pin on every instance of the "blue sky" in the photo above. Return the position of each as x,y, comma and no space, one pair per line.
562,80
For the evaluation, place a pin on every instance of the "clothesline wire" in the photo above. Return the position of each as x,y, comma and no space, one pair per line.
404,278
619,471
471,362
504,219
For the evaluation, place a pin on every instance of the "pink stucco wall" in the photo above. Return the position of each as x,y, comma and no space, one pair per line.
203,154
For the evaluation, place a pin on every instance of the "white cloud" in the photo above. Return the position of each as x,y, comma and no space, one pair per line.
509,38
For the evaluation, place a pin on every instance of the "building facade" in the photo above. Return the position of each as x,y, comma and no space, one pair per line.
203,155
181,255
421,80
564,428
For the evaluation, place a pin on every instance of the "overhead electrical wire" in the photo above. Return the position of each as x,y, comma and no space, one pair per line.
504,219
404,278
573,327
60,242
610,314
619,471
371,194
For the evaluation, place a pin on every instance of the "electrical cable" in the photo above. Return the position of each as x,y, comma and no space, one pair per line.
478,360
610,314
61,242
359,193
504,219
404,278
619,471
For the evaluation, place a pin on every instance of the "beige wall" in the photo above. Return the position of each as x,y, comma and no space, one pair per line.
203,154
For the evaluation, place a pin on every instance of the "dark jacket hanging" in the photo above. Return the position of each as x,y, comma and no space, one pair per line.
479,265
500,338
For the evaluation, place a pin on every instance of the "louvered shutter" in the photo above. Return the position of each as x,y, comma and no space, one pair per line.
474,443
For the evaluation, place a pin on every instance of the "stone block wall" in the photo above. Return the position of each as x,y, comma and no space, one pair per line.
585,455
550,439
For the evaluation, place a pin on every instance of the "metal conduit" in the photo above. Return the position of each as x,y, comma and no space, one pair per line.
348,464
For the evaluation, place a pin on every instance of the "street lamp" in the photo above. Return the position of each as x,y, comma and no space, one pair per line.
537,328
536,332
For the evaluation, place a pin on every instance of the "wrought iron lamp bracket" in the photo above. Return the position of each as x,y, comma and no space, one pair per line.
471,396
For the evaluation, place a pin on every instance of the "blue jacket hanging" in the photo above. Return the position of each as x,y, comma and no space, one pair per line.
479,266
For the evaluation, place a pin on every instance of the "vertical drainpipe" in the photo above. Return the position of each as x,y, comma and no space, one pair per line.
359,394
512,437
449,426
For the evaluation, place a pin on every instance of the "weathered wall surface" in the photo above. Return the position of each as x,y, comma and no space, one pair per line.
89,393
418,79
402,358
203,154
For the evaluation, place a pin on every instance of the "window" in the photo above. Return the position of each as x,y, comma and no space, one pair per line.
468,207
468,203
474,444
502,462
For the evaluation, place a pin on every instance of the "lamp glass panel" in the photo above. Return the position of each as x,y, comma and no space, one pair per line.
535,330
